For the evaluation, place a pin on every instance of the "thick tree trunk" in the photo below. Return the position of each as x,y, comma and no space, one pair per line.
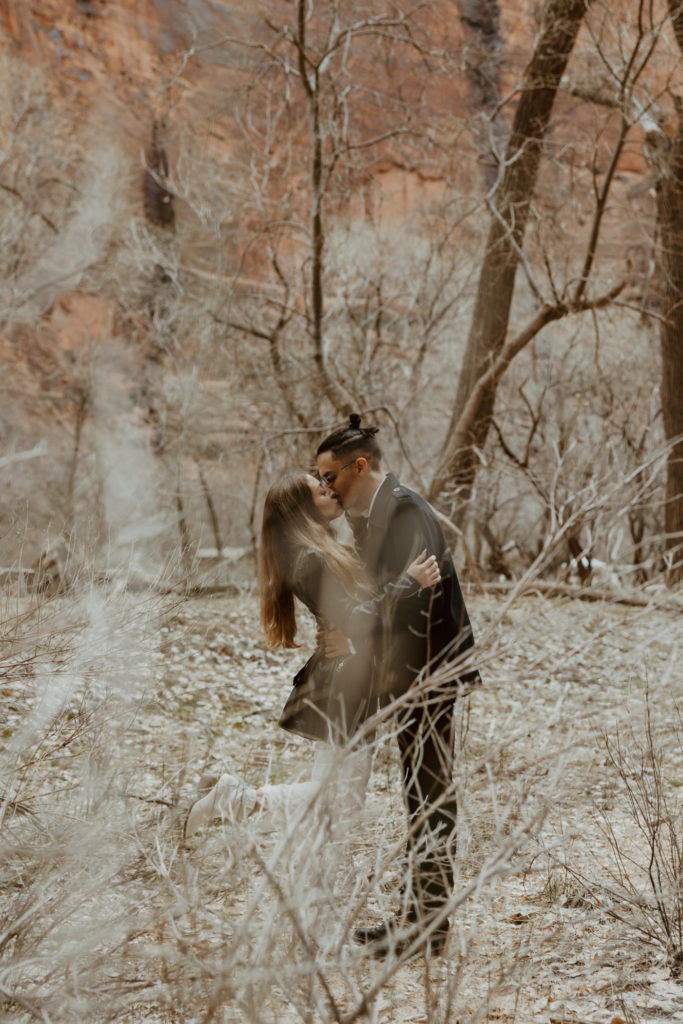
670,210
506,234
482,54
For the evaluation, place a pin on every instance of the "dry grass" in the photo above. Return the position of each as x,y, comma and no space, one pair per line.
114,704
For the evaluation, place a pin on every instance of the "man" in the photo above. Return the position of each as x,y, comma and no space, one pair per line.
391,525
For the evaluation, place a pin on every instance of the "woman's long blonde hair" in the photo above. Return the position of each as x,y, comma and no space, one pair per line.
291,526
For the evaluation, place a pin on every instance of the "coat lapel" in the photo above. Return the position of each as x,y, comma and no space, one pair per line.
377,523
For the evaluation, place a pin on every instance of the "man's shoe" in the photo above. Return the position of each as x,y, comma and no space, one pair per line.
378,933
390,937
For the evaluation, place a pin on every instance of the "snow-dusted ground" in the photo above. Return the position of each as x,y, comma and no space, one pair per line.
113,706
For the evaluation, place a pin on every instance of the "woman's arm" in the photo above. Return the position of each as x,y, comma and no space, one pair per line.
322,592
424,570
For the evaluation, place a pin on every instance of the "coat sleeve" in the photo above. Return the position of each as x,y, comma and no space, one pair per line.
414,527
322,592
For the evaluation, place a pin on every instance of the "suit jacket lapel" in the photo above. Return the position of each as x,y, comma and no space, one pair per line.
377,523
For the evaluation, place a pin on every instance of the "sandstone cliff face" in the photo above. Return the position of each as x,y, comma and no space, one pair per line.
162,59
89,41
125,72
136,53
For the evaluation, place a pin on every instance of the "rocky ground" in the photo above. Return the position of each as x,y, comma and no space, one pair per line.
114,704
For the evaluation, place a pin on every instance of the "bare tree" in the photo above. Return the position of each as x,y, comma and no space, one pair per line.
509,214
482,55
318,92
670,210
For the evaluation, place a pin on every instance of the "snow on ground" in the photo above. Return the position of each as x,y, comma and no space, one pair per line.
114,705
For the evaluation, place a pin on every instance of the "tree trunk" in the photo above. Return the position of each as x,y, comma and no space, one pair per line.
213,515
482,54
185,540
510,210
670,212
310,79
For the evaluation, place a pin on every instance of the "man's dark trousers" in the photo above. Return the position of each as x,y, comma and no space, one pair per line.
417,635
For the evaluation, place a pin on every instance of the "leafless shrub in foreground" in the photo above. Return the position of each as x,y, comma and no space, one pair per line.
636,872
108,915
649,874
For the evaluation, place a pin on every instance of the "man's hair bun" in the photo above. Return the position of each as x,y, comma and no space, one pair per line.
351,439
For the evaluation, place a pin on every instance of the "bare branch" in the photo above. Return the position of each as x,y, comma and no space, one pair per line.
459,438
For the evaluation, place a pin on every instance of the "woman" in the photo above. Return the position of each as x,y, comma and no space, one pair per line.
301,557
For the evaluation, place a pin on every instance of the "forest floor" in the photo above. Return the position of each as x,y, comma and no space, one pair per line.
569,768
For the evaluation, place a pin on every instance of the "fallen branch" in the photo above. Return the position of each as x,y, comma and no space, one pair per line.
584,594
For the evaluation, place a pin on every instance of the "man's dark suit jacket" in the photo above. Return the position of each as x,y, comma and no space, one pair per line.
426,629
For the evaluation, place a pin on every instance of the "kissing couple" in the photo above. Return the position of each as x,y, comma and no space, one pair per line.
389,615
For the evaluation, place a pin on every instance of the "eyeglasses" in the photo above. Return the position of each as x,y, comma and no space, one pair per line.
327,479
